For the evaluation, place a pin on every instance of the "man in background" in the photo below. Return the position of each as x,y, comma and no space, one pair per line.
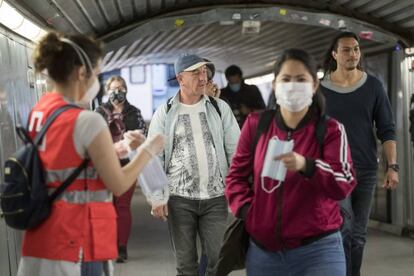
241,97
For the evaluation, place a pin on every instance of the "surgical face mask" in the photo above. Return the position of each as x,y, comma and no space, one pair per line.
235,87
117,96
294,96
90,93
275,169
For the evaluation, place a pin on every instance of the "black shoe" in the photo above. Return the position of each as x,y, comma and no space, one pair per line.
122,254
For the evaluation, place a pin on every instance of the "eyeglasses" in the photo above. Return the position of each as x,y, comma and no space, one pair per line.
117,90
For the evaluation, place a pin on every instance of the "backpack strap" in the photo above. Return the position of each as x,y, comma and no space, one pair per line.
212,100
38,139
215,104
50,120
69,180
265,119
169,104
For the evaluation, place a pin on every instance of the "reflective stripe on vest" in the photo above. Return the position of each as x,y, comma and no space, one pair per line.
61,175
83,197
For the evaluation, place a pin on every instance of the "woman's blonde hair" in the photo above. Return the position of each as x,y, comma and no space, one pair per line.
115,78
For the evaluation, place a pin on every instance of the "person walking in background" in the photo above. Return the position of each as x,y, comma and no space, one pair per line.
293,223
202,135
121,117
79,236
358,100
241,97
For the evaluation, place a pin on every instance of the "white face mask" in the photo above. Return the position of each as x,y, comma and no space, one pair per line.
90,93
273,169
294,96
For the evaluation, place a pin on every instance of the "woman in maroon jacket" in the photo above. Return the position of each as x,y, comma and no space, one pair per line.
293,224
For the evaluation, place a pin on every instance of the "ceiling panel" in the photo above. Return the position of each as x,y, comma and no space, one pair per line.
147,31
127,9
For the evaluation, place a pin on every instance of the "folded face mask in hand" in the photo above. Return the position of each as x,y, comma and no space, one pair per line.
275,169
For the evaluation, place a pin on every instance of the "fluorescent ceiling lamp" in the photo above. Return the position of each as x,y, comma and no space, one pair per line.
13,20
9,17
28,29
260,80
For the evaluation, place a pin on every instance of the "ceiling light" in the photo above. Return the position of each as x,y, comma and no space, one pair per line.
9,17
13,20
28,29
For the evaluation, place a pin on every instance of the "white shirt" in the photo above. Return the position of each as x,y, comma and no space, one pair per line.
194,170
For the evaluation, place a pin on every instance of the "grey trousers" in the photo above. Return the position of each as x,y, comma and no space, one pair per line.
186,219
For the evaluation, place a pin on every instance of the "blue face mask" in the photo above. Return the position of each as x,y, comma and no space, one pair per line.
235,87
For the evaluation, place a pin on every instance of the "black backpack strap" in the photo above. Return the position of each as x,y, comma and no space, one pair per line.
50,120
69,180
320,131
265,120
169,104
215,104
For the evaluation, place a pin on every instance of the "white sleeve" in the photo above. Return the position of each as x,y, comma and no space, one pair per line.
88,125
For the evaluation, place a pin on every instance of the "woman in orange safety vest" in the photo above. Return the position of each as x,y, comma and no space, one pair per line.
79,237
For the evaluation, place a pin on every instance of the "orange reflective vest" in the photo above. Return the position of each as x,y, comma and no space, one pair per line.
82,224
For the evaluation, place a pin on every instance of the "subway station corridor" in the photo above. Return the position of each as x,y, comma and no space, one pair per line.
150,251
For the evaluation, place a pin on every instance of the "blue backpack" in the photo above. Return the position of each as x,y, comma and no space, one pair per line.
24,199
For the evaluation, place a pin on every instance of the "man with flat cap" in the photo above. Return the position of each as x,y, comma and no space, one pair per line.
202,136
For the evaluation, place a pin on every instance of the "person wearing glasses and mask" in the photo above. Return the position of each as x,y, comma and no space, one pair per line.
122,117
79,237
293,220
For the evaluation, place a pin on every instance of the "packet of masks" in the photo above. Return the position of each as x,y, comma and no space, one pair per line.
153,181
275,169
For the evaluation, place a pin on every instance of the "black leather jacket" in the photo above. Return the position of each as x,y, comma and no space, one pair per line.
132,119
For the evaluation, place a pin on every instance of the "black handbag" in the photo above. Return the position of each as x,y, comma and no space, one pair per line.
234,248
236,239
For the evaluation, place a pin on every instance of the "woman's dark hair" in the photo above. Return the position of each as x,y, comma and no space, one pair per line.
233,70
60,58
318,100
329,64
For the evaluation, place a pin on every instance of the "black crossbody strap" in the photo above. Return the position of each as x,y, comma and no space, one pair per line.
69,181
49,121
215,104
265,119
38,140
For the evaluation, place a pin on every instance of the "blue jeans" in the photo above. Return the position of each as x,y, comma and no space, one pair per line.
186,219
355,211
324,257
92,269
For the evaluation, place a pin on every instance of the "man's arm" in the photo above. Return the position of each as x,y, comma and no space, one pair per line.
385,125
391,176
156,126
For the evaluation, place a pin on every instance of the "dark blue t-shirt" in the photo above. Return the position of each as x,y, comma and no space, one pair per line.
361,111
